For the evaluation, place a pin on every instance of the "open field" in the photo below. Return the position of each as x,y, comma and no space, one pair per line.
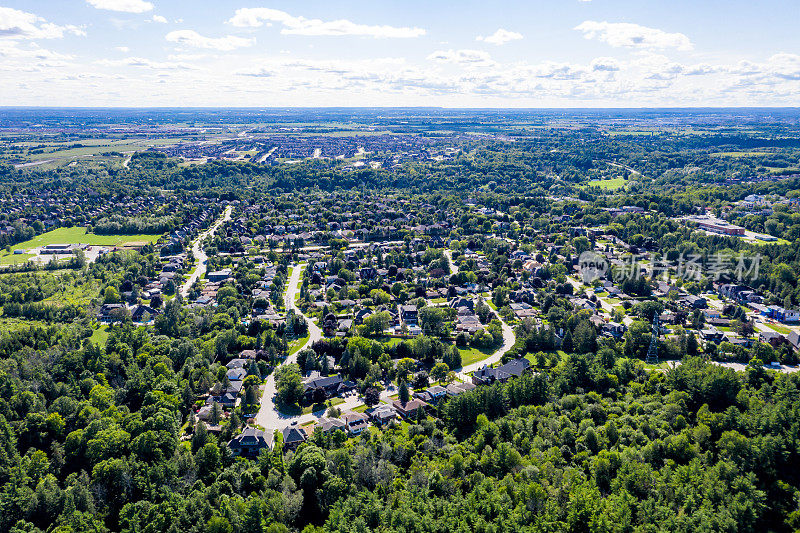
14,259
610,184
739,154
100,336
474,355
78,235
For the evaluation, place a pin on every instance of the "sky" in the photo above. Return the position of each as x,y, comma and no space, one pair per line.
459,53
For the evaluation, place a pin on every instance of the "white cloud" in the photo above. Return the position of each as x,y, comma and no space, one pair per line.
327,66
476,58
501,36
785,66
223,44
16,24
10,50
556,71
700,69
142,62
126,6
123,49
159,19
623,34
604,64
187,57
256,17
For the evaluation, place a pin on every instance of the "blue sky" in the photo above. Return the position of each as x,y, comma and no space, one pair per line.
556,53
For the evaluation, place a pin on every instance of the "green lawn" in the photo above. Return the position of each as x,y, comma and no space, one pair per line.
14,259
78,235
321,406
473,355
100,336
611,184
295,345
780,329
388,342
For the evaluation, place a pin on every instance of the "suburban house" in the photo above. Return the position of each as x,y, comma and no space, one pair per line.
773,338
381,414
108,311
794,339
219,276
142,312
408,313
293,436
432,394
454,389
355,422
488,375
468,323
361,314
236,374
712,334
331,385
250,442
614,329
694,302
237,363
408,409
329,425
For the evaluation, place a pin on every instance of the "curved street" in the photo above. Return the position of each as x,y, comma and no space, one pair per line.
268,415
508,341
199,254
508,336
270,418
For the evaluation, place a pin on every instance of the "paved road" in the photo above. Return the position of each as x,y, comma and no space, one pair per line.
453,267
199,255
508,341
268,415
508,336
271,419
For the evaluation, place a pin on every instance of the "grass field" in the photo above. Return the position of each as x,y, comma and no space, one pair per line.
474,355
78,235
739,154
295,345
611,184
100,336
14,259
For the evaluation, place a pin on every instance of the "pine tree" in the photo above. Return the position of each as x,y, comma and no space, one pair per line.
566,344
403,393
216,413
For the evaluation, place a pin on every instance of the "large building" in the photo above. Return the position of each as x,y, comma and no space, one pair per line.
716,225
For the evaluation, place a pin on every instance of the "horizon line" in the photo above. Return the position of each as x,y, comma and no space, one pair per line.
9,107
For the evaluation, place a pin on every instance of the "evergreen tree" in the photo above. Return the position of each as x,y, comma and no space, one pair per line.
404,394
